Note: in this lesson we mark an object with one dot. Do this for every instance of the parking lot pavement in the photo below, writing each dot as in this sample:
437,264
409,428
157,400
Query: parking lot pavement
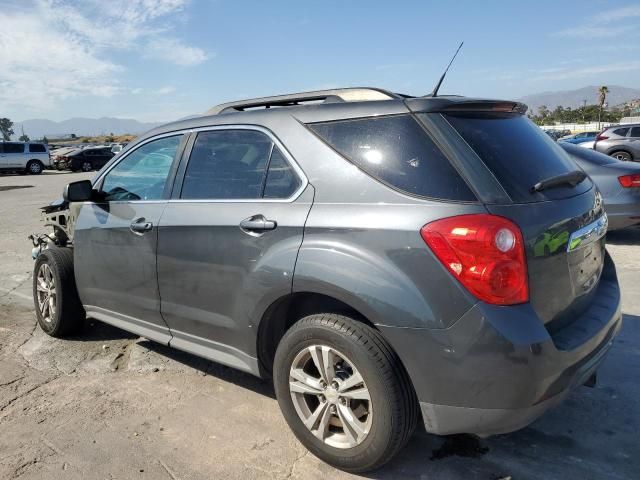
107,404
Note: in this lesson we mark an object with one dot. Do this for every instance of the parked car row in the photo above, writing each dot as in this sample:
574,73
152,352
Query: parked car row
85,160
24,157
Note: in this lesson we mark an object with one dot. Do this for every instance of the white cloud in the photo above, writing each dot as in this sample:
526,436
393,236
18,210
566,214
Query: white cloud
174,51
41,65
52,50
612,23
565,73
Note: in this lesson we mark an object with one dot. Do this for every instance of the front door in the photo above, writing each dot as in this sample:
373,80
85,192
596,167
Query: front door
228,242
115,240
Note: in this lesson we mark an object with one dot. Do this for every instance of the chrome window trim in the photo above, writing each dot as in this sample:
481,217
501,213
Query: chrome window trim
288,157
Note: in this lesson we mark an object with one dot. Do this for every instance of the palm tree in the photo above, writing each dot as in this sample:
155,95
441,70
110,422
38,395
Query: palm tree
602,96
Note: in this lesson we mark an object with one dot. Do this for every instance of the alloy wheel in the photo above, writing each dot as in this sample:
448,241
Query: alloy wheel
46,292
330,396
34,167
87,167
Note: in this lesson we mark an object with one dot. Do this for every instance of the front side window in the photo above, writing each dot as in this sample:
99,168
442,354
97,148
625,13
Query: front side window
37,148
142,175
233,164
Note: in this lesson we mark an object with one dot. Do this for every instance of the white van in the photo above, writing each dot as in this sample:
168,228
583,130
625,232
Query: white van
29,157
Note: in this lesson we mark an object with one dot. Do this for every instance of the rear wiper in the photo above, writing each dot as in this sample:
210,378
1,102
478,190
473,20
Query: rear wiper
570,178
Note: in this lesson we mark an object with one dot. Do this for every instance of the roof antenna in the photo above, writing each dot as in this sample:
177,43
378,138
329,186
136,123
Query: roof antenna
435,90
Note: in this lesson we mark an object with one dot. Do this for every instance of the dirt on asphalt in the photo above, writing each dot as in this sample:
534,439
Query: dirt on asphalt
110,405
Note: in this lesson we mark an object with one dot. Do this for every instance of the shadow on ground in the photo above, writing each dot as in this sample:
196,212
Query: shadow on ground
626,236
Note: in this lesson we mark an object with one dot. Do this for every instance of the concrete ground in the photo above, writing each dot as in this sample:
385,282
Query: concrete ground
110,405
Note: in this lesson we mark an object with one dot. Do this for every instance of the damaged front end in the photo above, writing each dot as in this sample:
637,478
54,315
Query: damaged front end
59,216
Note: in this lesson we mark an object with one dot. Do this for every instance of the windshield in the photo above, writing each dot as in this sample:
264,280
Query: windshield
518,153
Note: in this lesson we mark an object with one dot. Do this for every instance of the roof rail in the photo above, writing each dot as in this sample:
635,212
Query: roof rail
333,95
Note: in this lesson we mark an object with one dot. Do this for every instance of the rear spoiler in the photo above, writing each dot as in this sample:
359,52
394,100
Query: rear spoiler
462,105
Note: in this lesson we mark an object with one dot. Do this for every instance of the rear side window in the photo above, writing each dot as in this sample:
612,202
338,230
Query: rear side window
227,165
635,132
14,148
37,148
282,181
621,131
396,151
518,153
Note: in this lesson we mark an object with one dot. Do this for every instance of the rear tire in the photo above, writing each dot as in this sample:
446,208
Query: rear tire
86,166
362,409
58,307
34,167
622,156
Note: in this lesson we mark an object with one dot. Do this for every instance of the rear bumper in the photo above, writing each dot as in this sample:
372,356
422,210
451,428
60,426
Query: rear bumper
497,369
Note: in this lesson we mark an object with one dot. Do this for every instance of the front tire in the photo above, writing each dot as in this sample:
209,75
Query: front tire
87,166
58,307
344,392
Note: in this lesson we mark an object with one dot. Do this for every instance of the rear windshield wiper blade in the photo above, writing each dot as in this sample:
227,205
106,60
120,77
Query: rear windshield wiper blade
571,178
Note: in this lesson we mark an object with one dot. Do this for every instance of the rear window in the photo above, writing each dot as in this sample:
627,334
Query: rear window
396,151
37,148
518,153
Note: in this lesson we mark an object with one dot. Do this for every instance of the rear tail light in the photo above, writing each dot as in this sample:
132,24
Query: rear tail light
629,181
485,253
601,137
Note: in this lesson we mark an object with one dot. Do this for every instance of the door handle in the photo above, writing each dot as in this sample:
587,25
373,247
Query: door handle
140,226
257,223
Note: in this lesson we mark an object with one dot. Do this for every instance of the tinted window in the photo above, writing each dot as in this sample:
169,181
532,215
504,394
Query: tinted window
227,164
398,152
143,173
37,148
621,131
282,181
635,132
518,153
14,148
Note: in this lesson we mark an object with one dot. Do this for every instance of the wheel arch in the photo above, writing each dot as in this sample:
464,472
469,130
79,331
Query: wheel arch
286,311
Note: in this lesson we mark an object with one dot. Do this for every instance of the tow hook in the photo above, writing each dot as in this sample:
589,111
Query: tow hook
591,381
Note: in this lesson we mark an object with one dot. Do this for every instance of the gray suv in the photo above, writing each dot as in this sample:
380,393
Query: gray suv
382,258
621,142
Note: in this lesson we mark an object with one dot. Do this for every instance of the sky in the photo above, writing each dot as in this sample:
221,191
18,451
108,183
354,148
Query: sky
160,60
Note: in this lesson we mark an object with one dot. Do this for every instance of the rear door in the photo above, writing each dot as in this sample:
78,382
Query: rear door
115,239
228,241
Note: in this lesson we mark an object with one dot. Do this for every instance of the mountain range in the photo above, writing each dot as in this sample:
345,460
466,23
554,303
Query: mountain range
575,98
38,128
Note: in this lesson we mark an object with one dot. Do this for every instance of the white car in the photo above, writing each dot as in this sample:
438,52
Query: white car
24,157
